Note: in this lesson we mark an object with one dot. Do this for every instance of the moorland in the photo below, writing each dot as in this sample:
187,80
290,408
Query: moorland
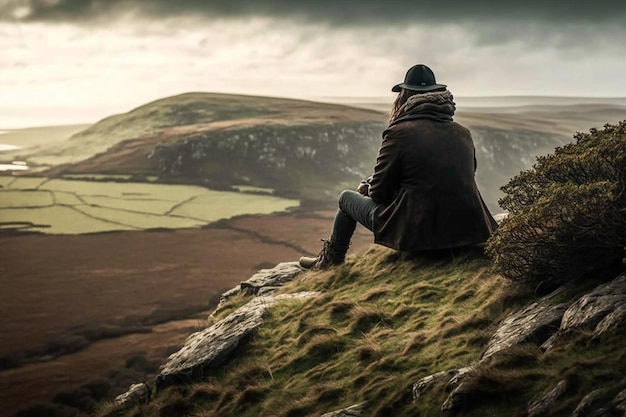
118,241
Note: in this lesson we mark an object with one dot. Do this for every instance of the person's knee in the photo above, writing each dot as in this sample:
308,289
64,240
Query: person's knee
344,198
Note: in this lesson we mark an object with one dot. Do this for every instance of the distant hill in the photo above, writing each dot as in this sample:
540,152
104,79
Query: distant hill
295,147
298,148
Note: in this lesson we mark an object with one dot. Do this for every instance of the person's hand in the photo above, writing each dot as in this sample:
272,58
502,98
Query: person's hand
364,188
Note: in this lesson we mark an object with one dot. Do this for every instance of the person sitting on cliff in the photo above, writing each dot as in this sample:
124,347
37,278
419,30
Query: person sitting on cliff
422,195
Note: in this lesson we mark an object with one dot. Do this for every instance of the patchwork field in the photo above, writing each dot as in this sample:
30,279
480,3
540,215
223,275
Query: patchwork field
60,206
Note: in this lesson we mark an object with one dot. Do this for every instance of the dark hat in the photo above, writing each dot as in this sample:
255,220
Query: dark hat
419,78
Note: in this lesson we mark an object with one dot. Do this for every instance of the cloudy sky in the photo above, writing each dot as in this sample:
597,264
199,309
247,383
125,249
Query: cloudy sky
64,61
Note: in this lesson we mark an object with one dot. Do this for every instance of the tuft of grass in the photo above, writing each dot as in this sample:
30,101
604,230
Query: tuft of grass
365,319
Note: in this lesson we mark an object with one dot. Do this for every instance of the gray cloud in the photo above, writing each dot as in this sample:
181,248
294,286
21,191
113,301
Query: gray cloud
336,12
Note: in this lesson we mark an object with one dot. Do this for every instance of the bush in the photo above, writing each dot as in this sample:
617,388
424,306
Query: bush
567,214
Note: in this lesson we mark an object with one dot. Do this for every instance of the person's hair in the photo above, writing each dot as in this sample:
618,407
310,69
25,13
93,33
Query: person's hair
399,102
401,99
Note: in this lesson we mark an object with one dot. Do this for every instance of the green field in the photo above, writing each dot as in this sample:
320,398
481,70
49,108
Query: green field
61,206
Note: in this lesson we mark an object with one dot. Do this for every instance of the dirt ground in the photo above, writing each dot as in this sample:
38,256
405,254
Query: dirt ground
52,284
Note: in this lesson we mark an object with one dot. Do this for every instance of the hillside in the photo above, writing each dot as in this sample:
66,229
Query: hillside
300,149
404,336
224,140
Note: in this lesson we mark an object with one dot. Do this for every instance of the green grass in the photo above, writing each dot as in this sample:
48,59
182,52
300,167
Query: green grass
25,198
57,220
21,183
74,207
215,205
383,322
375,331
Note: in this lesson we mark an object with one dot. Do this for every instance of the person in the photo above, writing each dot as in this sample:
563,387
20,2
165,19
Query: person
422,195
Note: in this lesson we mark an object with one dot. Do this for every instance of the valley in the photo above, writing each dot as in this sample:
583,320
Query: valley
118,239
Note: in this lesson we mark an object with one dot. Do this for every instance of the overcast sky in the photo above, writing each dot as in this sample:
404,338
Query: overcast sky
67,61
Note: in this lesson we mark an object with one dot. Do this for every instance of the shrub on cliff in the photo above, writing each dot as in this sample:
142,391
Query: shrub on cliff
567,213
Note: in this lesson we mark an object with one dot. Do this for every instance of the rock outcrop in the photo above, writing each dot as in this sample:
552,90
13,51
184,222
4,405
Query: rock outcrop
535,323
137,394
602,310
590,309
265,281
539,405
211,347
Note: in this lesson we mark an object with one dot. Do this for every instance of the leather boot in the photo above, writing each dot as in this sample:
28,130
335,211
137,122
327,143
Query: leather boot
327,257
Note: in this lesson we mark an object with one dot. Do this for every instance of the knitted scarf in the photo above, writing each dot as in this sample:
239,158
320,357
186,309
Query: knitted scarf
436,105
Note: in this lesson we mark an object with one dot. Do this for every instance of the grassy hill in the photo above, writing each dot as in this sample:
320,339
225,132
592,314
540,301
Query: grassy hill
383,322
174,118
227,140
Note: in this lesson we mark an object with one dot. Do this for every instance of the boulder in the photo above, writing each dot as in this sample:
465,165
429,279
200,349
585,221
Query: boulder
264,282
535,323
271,278
614,322
591,308
137,394
595,404
212,346
539,405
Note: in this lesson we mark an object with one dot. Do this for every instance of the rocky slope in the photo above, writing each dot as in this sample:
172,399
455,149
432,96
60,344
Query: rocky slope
356,349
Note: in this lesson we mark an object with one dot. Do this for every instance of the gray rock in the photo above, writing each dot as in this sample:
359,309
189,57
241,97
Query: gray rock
612,323
273,277
547,345
212,346
535,323
602,310
454,378
459,393
263,282
137,394
539,405
591,308
357,410
594,404
620,401
426,383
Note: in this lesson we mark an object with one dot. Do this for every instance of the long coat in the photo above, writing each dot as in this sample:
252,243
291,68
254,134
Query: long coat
424,184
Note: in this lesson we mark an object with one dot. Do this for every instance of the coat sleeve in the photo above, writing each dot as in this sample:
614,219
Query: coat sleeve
387,172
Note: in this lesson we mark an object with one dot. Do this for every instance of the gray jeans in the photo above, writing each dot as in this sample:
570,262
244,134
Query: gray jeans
353,208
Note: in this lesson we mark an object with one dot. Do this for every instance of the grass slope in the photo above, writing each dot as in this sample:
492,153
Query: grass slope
383,322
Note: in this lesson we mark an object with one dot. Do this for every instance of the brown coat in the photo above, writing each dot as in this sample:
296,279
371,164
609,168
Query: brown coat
424,183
